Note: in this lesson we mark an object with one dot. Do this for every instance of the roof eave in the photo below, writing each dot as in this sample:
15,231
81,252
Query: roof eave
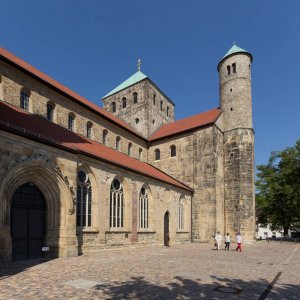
232,54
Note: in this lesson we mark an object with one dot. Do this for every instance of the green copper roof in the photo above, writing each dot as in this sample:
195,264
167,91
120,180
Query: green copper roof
234,49
138,76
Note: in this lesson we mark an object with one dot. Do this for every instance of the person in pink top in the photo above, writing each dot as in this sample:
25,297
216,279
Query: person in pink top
239,242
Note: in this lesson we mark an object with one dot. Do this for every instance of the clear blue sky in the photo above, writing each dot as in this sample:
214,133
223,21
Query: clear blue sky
92,46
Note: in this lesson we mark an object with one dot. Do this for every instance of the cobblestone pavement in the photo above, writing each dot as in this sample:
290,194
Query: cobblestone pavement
190,271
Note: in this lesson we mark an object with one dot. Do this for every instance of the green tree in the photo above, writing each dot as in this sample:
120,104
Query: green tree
278,190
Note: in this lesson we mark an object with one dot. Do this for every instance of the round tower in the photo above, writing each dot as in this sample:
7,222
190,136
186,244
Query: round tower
235,88
238,142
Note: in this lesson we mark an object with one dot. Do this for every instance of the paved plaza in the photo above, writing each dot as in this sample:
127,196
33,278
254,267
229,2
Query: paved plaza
190,271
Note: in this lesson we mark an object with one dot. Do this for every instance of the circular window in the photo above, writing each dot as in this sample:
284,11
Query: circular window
82,176
116,184
137,120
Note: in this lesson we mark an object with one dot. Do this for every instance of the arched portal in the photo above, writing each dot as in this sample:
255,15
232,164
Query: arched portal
28,210
166,229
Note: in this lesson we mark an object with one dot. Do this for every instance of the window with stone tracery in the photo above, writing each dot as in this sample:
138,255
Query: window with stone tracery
116,205
84,200
143,208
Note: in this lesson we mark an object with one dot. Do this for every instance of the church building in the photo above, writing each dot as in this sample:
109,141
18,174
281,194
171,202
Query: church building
76,178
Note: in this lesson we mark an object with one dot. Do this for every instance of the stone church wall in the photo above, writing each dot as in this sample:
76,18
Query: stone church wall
199,164
54,171
13,81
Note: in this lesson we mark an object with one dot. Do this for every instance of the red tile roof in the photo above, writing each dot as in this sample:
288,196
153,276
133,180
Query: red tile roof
18,121
61,88
187,124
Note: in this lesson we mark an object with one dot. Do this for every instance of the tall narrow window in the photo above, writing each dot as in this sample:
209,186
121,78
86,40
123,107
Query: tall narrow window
161,105
228,70
180,216
113,107
173,150
168,111
104,137
116,205
140,154
129,148
233,68
71,120
143,208
157,154
50,111
84,200
154,99
118,143
24,100
135,97
89,127
124,103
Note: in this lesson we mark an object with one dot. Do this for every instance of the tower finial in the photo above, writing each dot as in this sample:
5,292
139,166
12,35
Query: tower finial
139,64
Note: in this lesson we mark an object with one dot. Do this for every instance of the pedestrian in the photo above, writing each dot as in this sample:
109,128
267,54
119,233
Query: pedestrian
239,242
227,241
167,240
218,239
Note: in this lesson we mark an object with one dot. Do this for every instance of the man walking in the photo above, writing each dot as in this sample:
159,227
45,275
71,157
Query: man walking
239,242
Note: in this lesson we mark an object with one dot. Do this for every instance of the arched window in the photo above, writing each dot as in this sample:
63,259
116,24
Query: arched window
84,200
50,111
173,150
135,97
129,148
161,105
157,154
89,126
104,137
154,99
180,216
24,100
140,154
124,104
118,143
116,204
71,121
228,70
168,110
143,208
233,68
113,107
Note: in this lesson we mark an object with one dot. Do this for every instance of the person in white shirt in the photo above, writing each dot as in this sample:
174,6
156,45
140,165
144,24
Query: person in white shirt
239,242
218,239
227,241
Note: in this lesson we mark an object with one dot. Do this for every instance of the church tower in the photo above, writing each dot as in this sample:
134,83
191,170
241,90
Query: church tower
236,104
140,103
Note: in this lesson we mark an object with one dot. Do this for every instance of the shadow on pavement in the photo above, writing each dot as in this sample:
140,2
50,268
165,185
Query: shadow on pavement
182,288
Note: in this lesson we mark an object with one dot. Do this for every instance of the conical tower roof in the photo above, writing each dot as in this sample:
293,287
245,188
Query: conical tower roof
234,50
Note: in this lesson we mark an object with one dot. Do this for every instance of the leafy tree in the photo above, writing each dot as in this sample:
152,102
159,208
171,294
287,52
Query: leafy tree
278,190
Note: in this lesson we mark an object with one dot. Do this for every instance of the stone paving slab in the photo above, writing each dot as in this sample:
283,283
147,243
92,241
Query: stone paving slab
189,271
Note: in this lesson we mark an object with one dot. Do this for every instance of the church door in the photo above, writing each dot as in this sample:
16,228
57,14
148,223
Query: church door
166,229
27,222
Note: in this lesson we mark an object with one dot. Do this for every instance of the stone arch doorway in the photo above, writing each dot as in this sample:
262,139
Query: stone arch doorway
166,229
28,211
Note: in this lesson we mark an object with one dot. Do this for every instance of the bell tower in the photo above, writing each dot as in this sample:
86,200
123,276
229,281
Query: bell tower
236,104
